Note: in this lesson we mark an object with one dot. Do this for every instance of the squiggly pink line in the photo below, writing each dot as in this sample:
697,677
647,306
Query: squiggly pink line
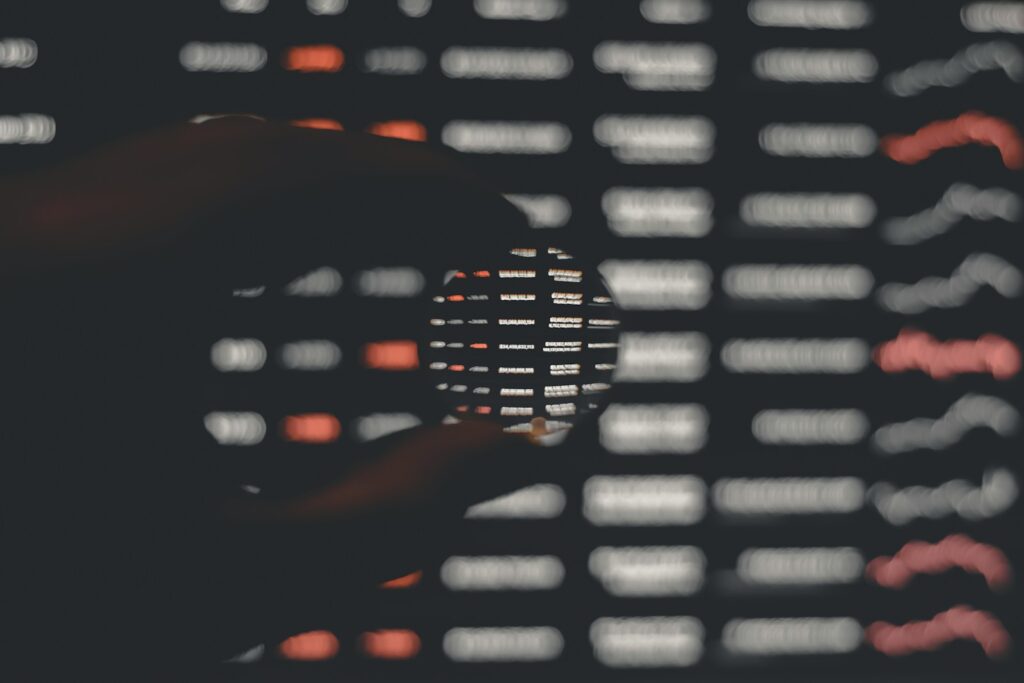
916,350
970,127
957,550
957,623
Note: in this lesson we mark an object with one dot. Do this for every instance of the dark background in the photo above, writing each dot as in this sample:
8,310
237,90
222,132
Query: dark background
105,70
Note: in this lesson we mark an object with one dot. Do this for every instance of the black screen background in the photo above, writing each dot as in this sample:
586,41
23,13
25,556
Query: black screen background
111,70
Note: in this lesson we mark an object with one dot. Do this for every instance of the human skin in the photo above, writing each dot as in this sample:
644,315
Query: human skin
117,533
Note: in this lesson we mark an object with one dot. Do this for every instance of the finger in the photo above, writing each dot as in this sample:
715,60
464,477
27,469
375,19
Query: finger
414,471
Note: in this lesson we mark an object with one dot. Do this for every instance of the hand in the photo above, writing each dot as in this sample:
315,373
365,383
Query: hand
118,535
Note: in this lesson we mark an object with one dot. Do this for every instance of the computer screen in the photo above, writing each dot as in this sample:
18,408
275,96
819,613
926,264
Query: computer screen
807,213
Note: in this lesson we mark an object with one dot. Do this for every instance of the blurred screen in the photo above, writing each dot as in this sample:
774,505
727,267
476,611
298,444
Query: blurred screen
808,213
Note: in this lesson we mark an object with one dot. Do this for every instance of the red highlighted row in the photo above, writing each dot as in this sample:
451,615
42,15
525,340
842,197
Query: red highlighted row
476,273
957,623
314,58
319,646
479,410
401,129
392,354
311,428
970,128
956,550
407,581
916,350
318,124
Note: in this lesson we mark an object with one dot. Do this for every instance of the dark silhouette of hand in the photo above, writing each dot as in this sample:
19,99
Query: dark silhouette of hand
123,547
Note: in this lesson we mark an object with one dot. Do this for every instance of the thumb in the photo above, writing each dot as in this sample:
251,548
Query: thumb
445,465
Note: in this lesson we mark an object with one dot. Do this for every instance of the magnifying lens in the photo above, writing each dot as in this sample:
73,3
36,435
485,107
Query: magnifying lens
528,339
